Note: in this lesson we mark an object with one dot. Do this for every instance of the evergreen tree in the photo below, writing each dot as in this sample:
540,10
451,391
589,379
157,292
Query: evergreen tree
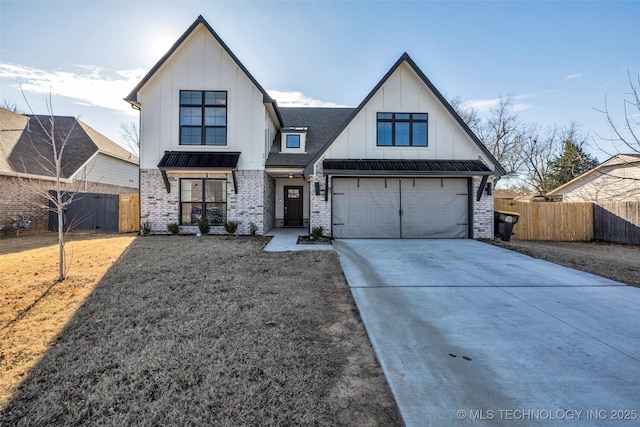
573,161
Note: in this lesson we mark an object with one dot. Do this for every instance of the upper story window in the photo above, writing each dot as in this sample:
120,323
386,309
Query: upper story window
293,141
203,117
402,129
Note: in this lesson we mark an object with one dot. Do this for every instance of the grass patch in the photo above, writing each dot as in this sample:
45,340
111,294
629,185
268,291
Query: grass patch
210,331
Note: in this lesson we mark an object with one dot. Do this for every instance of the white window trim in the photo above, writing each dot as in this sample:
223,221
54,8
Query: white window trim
303,140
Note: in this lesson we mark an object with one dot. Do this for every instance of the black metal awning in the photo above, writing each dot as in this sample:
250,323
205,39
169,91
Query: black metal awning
198,161
405,167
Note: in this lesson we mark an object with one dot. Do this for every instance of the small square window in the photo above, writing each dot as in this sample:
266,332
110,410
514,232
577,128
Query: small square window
293,141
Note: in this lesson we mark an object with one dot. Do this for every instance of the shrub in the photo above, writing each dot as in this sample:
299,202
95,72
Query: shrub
203,225
316,232
173,228
253,228
230,226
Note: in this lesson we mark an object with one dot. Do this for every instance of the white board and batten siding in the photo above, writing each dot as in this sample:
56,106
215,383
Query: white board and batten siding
201,63
404,92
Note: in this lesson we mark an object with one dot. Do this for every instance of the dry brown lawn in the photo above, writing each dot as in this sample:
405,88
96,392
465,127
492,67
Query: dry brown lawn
610,260
35,307
176,330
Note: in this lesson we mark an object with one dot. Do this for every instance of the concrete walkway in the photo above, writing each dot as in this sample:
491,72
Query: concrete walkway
285,240
472,334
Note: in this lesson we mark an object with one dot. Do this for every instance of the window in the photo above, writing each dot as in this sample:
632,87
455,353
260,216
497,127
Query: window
203,195
402,130
203,117
293,141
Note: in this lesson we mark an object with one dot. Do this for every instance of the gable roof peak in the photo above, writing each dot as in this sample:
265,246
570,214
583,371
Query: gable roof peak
406,58
132,98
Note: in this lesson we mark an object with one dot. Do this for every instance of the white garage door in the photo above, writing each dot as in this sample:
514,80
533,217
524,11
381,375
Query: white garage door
394,208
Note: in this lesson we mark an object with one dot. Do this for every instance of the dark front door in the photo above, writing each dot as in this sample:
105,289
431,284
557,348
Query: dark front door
293,206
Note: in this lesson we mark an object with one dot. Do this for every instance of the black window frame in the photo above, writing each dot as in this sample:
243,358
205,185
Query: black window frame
203,109
219,218
394,119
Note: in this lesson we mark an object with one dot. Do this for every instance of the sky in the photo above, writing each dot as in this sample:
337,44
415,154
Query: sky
561,61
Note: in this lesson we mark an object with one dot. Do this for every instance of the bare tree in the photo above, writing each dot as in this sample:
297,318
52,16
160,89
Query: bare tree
627,134
11,106
540,146
50,158
625,140
501,131
131,134
468,114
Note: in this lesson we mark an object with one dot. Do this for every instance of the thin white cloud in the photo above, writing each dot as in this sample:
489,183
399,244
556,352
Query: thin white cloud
573,76
87,84
298,99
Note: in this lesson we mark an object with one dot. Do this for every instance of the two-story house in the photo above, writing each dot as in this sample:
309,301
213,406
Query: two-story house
402,164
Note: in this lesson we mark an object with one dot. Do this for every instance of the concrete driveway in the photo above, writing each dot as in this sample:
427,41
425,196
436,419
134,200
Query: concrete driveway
472,334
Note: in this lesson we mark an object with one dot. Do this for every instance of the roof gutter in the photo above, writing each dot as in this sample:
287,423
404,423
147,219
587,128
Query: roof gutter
34,177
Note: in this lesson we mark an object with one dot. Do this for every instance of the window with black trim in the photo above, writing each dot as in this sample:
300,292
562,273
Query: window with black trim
402,130
198,196
203,117
293,141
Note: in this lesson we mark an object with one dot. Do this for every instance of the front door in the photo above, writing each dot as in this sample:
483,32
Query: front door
293,206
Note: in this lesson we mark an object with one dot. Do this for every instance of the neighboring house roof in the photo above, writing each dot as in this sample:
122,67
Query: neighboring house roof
11,127
133,96
406,58
506,193
601,169
26,147
321,122
530,198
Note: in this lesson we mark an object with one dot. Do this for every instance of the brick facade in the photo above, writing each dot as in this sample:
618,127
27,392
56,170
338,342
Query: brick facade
482,213
269,203
254,202
319,208
18,197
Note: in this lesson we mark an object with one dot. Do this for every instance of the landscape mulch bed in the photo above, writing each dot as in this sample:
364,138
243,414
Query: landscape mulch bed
210,331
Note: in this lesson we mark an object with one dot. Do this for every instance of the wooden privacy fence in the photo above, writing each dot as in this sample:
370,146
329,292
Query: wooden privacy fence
617,222
550,221
101,212
129,213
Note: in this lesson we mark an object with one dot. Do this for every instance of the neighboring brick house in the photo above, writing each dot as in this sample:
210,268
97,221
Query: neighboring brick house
402,164
91,163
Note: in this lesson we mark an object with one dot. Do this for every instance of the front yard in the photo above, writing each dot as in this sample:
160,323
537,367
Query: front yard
187,331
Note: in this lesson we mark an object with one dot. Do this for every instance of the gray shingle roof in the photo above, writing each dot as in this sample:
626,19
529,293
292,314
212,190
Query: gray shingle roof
322,123
26,147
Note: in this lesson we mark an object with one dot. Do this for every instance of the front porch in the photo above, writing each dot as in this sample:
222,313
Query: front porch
286,239
291,199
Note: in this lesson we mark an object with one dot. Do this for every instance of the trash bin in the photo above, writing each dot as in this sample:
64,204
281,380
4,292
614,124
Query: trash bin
503,222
